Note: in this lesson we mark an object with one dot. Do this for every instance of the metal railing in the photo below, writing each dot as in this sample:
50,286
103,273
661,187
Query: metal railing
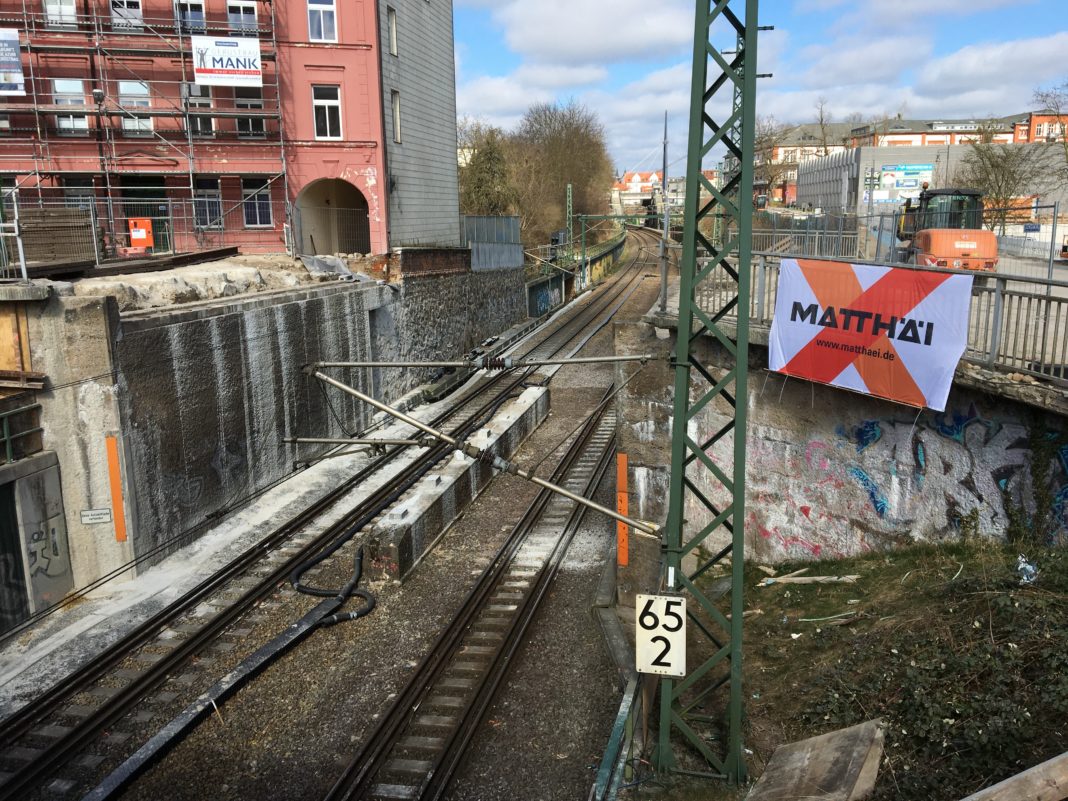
1017,322
11,435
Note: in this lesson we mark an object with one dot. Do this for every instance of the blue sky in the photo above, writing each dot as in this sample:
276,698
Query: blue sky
629,60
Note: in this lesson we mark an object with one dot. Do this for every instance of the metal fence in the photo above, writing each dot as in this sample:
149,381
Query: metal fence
1017,322
89,230
328,230
828,235
495,242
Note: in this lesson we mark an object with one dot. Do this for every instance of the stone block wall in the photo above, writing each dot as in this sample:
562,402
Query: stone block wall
443,318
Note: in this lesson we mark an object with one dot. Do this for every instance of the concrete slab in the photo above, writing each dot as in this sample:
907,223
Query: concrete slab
839,766
22,292
406,532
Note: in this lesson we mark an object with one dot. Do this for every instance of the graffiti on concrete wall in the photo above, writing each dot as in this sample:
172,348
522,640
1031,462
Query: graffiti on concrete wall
871,483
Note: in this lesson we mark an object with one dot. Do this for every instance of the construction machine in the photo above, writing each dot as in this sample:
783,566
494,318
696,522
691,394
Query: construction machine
945,229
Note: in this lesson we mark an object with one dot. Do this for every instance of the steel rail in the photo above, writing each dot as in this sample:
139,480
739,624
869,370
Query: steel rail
21,722
456,748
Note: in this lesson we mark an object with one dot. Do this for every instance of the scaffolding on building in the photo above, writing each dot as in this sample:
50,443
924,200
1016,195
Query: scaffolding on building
141,106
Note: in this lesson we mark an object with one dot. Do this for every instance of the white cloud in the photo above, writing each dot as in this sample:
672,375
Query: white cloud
1004,65
568,47
580,31
860,61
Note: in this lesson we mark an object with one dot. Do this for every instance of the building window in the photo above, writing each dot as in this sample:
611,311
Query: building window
60,13
191,16
394,97
242,17
322,21
326,103
67,92
256,201
251,98
197,99
134,95
126,14
207,204
391,23
78,192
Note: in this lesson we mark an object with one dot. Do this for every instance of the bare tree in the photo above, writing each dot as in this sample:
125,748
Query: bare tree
1055,100
768,166
1004,174
556,145
823,119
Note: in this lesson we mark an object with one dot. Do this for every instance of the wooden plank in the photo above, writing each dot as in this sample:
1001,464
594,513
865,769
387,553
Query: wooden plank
1045,782
839,766
10,351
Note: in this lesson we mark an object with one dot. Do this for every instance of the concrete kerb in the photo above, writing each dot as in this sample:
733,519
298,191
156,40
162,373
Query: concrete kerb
405,533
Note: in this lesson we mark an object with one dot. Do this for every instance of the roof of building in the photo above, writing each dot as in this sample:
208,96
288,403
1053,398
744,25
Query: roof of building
901,126
631,177
810,134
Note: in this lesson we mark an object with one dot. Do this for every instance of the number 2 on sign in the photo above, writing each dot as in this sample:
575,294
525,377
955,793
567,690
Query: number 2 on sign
660,636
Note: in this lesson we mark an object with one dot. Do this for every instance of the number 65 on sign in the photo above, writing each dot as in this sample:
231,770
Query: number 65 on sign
660,636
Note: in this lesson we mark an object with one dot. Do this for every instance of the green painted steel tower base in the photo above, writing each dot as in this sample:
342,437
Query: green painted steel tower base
706,509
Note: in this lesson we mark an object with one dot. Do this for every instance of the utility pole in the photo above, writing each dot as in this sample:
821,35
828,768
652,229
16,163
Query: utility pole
667,225
570,224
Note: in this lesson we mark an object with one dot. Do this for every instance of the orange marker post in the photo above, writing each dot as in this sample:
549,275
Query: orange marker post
115,478
622,505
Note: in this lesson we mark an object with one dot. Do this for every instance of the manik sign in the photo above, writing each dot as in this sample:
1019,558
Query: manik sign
226,62
895,333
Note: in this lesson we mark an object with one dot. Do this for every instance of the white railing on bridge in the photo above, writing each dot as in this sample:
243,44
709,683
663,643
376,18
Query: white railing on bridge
1017,322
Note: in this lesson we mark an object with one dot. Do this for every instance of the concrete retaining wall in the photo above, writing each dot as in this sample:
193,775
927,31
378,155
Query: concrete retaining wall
200,396
832,473
71,342
209,393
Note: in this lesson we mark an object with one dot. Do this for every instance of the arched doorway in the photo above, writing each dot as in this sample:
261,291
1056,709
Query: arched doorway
332,216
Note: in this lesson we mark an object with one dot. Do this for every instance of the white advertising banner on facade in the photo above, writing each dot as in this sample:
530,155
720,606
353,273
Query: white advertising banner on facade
226,62
892,332
12,81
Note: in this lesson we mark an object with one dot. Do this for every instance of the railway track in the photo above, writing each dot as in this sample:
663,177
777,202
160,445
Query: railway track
57,742
419,742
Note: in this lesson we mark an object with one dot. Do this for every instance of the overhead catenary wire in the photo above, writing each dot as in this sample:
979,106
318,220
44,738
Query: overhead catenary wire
483,454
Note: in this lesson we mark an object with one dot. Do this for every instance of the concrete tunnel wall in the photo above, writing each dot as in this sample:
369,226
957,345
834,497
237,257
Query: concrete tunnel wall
209,394
831,473
201,395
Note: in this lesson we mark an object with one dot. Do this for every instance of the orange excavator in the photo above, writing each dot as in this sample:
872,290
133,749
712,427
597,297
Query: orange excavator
945,229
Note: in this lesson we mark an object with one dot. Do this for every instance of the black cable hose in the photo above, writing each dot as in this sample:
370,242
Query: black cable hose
322,556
